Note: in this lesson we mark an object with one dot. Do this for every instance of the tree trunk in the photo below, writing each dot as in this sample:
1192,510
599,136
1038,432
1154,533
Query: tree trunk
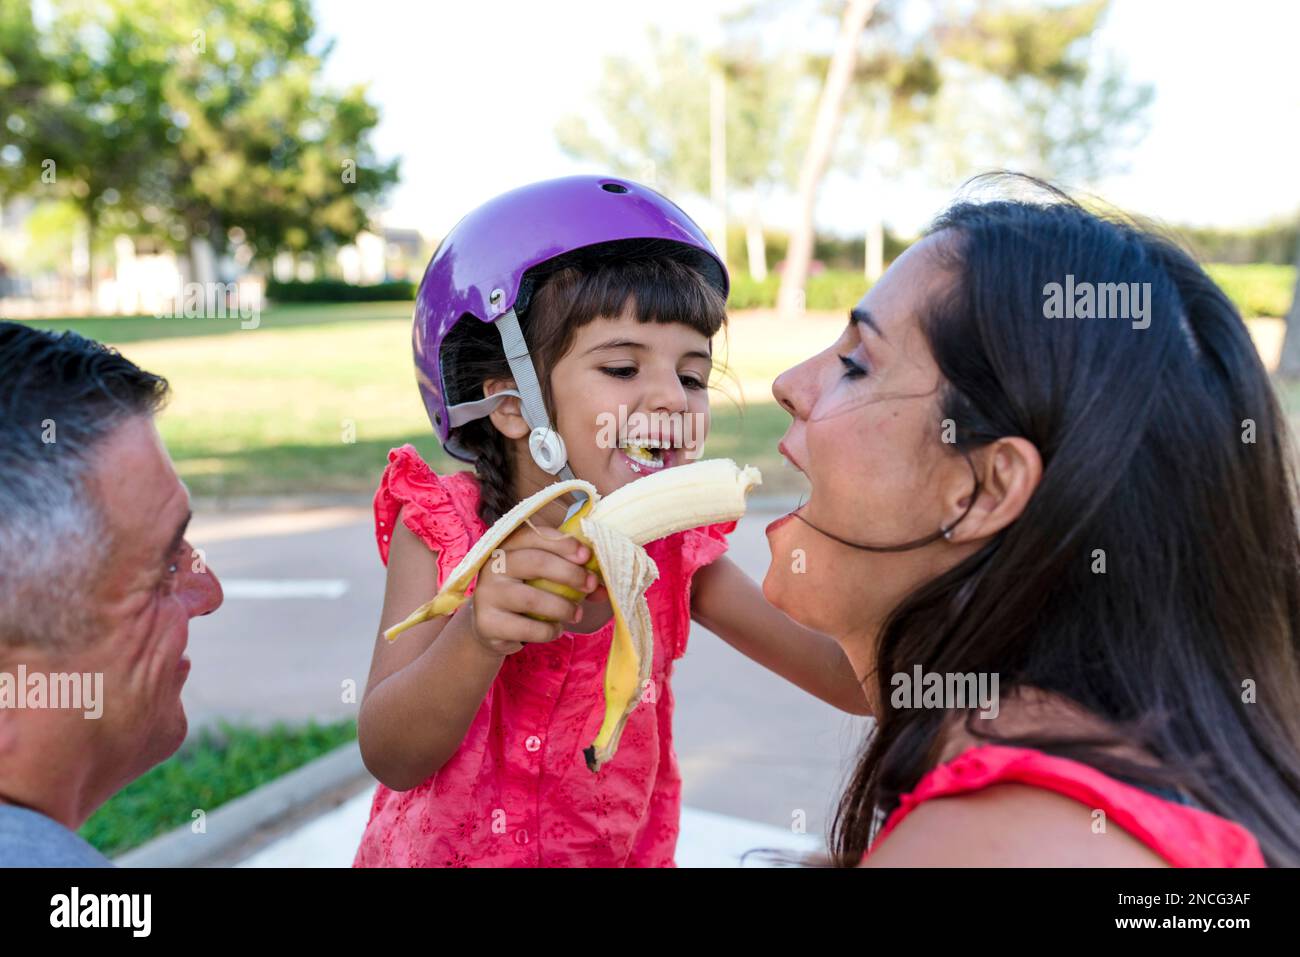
874,254
830,108
202,260
1288,364
718,158
92,227
756,245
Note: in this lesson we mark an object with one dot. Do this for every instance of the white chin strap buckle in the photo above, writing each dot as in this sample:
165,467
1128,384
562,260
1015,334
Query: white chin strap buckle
547,449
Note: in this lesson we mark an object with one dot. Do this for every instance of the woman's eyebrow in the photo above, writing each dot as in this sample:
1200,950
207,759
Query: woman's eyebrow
860,315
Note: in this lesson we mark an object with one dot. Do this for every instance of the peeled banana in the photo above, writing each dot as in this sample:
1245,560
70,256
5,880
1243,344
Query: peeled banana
615,527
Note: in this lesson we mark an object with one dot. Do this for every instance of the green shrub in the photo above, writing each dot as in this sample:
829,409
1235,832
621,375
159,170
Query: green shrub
833,289
209,770
748,293
1258,289
335,290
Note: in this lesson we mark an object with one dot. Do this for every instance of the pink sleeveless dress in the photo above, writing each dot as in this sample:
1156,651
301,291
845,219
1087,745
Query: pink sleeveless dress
517,792
1184,836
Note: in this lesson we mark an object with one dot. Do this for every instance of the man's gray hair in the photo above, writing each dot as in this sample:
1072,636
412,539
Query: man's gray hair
60,396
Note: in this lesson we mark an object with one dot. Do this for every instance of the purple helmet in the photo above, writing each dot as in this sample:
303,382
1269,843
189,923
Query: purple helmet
478,273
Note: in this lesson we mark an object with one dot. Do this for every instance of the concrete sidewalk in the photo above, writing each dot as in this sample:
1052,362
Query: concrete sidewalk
707,840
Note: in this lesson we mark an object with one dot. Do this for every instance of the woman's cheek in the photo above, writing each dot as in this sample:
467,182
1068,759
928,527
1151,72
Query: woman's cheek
798,574
776,583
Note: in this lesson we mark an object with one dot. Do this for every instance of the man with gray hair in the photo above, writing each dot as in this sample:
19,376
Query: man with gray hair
97,588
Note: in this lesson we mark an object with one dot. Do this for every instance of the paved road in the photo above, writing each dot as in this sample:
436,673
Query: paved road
750,745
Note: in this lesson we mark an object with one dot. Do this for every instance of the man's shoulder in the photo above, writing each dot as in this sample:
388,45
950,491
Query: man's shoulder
30,839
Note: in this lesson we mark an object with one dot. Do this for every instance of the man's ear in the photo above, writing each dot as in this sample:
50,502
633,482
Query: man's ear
1009,470
507,416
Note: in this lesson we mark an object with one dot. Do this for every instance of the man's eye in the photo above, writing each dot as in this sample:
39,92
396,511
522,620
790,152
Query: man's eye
851,369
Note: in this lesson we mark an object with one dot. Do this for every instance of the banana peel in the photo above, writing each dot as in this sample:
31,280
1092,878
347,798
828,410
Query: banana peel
616,528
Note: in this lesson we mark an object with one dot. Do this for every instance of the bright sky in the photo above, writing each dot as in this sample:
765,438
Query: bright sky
471,94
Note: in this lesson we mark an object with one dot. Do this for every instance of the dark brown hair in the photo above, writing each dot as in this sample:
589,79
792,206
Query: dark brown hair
1164,448
650,281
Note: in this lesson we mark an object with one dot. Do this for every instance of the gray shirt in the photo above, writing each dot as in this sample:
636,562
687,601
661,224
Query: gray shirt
30,839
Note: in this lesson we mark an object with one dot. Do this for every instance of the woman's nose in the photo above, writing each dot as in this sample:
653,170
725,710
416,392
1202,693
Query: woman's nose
795,389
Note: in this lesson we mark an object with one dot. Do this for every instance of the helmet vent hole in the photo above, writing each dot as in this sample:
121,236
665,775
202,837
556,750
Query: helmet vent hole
613,187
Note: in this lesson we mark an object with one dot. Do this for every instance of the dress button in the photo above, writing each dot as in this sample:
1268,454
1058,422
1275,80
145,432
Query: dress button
533,742
385,538
521,836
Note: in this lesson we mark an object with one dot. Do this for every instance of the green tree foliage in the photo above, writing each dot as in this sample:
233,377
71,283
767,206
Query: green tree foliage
654,115
944,93
188,118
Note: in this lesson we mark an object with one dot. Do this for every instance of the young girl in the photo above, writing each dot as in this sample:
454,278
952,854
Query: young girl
544,315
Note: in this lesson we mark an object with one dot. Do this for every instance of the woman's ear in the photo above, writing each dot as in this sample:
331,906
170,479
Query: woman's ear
507,416
1009,470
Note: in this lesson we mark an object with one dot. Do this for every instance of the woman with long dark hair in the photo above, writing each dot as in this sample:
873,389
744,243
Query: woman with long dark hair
1045,459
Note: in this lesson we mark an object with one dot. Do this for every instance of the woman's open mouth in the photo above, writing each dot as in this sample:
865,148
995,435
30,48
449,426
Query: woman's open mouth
777,523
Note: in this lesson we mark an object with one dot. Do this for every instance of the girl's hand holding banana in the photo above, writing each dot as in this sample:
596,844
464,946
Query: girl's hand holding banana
507,611
607,534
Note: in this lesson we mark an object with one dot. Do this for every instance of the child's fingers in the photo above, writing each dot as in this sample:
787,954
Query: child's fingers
530,563
526,600
546,539
508,627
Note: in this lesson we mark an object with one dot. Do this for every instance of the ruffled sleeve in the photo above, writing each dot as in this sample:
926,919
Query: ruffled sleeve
440,511
1182,835
700,546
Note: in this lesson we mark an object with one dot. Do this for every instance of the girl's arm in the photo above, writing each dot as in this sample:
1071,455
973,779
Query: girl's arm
731,605
425,687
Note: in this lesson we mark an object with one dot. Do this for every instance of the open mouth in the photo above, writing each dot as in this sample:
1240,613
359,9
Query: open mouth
773,526
649,456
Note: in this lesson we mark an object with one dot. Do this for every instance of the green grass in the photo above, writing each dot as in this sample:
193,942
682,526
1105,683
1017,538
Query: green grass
1258,289
211,769
122,330
312,400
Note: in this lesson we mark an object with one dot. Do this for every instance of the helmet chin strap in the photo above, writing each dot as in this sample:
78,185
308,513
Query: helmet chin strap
544,443
906,546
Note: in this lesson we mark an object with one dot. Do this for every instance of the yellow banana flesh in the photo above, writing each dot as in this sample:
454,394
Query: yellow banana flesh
616,528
